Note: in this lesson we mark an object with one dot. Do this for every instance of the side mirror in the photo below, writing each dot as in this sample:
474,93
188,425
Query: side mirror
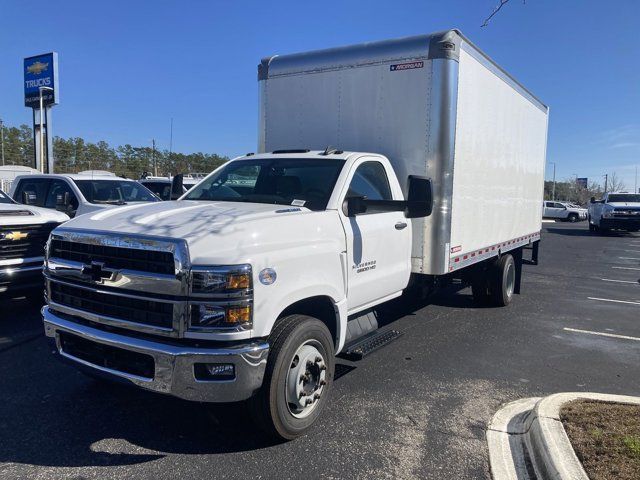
593,200
419,198
177,189
62,201
354,206
28,198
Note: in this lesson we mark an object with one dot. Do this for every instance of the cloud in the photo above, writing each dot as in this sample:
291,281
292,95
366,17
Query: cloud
624,136
625,145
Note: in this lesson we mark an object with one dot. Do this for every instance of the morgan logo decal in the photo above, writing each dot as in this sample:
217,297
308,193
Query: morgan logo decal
405,66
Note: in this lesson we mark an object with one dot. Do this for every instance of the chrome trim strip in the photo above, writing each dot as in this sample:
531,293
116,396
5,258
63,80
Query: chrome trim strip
111,321
18,269
130,279
20,261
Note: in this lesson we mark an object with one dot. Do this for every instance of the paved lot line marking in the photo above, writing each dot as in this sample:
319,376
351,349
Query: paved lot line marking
615,301
619,281
602,334
626,268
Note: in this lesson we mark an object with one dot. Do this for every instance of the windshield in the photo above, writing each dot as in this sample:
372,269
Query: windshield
4,198
624,197
282,181
114,192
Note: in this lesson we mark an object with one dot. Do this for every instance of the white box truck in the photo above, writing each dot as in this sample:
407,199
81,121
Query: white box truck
248,286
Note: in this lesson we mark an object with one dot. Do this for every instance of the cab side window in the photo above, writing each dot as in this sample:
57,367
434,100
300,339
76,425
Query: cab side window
370,181
32,191
56,195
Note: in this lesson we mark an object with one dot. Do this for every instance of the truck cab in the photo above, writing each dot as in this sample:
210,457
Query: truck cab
77,194
615,211
23,234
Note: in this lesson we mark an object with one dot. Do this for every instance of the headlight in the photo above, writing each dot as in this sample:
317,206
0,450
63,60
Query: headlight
221,298
235,279
209,317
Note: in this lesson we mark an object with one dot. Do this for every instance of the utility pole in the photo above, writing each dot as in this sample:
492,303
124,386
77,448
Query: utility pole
2,143
171,140
153,157
635,188
606,180
553,193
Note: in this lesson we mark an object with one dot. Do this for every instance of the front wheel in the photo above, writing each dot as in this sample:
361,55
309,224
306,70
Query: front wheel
298,377
573,217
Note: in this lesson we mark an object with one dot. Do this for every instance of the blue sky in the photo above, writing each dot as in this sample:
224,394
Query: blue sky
127,67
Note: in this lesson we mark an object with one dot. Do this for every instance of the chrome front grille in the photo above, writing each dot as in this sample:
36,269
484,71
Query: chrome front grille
137,310
127,281
24,241
149,261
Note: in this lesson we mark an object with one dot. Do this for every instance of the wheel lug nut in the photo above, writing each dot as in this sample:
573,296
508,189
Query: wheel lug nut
304,378
318,359
309,401
323,367
323,383
309,363
316,396
302,394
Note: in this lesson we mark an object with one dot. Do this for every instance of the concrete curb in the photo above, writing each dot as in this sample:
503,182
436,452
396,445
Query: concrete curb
527,440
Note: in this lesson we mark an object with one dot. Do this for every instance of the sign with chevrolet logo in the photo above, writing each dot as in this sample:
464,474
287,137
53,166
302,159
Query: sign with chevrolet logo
41,71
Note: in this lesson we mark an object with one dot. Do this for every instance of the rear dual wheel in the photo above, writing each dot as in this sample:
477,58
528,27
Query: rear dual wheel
495,285
298,377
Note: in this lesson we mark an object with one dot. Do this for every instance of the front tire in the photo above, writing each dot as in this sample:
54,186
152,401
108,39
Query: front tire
573,217
298,377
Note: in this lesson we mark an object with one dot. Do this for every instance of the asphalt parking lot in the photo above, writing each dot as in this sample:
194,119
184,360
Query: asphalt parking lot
417,408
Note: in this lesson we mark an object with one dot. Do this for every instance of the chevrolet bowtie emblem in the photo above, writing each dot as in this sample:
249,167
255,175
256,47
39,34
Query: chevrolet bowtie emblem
16,236
97,272
37,68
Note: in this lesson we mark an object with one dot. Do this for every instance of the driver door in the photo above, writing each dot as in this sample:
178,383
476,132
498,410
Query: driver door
378,243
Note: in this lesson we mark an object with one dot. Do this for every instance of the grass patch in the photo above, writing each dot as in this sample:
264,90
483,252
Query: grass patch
605,437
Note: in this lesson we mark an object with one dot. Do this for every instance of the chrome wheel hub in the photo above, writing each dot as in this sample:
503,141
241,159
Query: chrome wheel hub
306,379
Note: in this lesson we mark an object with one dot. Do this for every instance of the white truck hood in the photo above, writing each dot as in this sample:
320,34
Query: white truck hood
213,230
16,214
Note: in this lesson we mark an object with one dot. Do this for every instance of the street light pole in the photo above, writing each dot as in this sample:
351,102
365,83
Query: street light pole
42,89
2,142
553,193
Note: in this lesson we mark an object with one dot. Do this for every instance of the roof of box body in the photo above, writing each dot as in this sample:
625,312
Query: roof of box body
445,44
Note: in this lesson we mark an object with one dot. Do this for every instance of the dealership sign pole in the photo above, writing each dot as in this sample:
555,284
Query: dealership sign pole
41,92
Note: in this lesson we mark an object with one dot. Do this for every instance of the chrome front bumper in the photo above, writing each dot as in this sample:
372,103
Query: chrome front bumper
19,275
173,364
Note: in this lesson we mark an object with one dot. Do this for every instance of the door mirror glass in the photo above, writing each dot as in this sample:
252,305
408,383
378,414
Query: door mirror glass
419,198
62,201
29,198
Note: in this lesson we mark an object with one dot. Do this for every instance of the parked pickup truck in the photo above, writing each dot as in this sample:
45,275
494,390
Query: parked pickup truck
615,211
23,234
77,194
564,211
248,286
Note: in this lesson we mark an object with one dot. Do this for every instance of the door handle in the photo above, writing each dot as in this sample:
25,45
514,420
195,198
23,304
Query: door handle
401,225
